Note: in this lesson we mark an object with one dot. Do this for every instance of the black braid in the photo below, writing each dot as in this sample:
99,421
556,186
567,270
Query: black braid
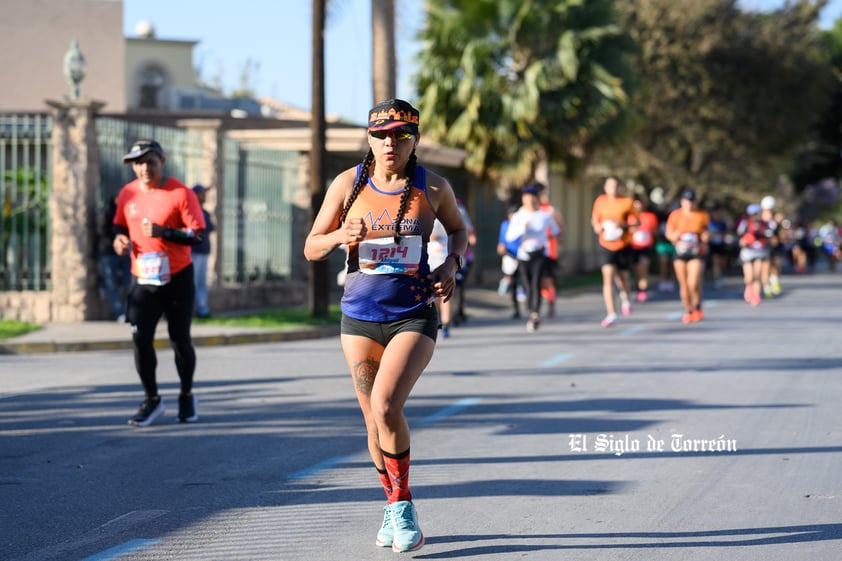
410,175
362,179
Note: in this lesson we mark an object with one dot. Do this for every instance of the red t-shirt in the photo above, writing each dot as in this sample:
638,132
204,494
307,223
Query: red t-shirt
171,206
552,239
644,234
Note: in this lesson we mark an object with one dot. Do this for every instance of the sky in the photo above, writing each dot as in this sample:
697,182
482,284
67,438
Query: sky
272,37
276,35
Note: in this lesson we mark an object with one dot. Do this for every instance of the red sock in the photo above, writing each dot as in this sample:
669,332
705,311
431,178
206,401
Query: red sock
384,480
548,293
397,465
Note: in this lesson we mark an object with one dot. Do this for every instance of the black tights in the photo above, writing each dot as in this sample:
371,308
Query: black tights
146,305
530,279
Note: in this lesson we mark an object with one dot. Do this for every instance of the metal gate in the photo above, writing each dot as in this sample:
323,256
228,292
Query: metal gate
25,185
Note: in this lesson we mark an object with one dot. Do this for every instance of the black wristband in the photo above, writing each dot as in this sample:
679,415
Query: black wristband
458,258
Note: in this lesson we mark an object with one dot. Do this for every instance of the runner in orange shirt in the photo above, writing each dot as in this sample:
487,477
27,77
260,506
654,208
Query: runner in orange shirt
687,229
610,221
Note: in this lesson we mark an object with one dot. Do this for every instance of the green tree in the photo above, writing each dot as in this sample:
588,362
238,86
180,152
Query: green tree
23,230
820,158
514,82
249,69
726,96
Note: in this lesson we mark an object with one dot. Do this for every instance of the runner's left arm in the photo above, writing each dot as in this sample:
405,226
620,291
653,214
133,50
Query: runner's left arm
182,236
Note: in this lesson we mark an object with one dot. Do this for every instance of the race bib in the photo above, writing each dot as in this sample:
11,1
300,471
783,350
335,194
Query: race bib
690,239
687,245
383,256
611,231
642,237
153,268
531,245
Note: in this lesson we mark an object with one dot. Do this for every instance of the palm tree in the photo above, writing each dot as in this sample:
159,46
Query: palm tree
318,287
516,82
383,60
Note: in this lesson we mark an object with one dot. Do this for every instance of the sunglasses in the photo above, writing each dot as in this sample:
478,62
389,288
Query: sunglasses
397,135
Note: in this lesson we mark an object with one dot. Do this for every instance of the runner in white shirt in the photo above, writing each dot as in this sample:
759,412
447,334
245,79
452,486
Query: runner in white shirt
532,226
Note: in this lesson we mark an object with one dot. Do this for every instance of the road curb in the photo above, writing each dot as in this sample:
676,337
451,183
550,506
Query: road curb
161,342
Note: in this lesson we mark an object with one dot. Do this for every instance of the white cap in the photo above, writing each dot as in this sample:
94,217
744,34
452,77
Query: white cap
767,202
657,196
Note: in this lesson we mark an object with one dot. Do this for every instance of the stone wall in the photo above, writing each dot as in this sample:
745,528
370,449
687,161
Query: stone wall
72,210
26,305
256,297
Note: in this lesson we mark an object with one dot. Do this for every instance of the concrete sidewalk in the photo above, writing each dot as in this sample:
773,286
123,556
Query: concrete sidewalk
109,335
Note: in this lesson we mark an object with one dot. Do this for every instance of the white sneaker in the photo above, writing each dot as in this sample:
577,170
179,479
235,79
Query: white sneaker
149,410
609,320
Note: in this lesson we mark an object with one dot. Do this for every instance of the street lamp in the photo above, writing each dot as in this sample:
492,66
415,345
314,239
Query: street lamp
74,67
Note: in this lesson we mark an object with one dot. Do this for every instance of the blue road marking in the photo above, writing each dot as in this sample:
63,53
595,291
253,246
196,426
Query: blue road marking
321,466
336,460
449,411
557,359
632,330
120,550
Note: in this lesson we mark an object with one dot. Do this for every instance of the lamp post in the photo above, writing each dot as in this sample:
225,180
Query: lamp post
74,68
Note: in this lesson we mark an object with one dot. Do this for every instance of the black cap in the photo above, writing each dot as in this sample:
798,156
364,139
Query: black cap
142,147
393,114
688,194
198,188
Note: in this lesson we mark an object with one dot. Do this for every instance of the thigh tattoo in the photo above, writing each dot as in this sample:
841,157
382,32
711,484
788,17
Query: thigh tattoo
364,373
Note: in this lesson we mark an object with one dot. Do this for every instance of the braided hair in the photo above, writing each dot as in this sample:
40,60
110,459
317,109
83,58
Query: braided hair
410,175
362,179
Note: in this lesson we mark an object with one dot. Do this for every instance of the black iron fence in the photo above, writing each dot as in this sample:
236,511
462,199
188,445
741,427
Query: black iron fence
25,184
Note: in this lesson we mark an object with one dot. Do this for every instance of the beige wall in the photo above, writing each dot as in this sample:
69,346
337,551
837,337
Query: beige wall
173,58
35,35
574,200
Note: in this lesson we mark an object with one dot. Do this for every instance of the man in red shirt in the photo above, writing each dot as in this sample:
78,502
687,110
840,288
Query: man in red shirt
548,274
158,219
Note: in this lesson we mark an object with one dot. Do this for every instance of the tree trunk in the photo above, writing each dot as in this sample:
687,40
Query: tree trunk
319,287
383,60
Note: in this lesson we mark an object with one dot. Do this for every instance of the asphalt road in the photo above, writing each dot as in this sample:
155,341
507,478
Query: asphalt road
651,440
